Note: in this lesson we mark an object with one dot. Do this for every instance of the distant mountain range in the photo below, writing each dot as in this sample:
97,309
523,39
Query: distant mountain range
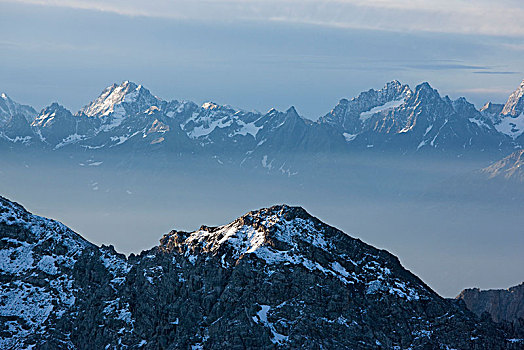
273,278
395,118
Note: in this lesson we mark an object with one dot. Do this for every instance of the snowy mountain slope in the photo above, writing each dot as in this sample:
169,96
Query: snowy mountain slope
36,259
117,102
511,119
14,122
350,115
8,108
56,127
509,168
423,120
273,278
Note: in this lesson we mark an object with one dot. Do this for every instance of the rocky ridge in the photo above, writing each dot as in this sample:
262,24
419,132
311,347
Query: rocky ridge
273,278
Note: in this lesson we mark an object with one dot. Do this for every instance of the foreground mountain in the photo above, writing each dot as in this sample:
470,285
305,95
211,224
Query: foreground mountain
129,118
273,278
501,304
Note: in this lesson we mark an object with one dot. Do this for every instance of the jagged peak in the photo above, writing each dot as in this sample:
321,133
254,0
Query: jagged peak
394,84
54,106
487,106
426,90
424,86
283,235
492,109
117,94
515,104
462,102
47,114
292,110
210,105
248,233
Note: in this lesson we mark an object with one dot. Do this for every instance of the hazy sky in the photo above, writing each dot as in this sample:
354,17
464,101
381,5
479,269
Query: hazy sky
258,54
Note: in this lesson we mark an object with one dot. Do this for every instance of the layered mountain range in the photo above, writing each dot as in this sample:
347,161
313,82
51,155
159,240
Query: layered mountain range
273,278
394,118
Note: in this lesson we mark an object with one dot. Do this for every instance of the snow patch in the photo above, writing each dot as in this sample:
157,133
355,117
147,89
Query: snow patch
382,108
513,127
349,137
261,318
480,123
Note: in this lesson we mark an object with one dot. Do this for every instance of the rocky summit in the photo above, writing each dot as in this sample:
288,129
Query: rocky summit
273,278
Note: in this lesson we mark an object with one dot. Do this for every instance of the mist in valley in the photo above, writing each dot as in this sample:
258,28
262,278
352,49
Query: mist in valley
428,211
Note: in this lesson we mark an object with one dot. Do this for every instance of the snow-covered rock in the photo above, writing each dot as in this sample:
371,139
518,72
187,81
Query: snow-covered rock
273,278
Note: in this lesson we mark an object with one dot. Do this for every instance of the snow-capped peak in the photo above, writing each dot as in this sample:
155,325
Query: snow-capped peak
8,108
284,236
253,231
209,105
114,95
515,104
117,102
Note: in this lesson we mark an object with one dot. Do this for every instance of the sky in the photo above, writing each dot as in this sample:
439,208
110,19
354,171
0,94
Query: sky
258,54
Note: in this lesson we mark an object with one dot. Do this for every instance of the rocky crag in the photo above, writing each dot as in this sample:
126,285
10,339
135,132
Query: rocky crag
502,305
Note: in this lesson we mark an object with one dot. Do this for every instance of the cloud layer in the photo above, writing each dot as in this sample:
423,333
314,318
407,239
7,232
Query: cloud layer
501,18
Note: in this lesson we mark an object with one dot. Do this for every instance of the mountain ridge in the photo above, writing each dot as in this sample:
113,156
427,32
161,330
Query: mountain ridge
274,278
130,118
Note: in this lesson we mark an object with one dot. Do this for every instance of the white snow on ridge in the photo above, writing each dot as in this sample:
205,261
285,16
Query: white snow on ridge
115,117
123,138
208,127
209,105
25,298
23,139
111,97
243,239
513,127
261,317
480,123
382,108
249,128
349,137
69,140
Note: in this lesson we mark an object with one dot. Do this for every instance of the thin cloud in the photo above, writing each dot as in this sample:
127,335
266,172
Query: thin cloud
446,66
502,18
497,72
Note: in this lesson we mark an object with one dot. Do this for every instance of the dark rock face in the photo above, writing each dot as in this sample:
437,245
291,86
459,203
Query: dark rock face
274,278
501,304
